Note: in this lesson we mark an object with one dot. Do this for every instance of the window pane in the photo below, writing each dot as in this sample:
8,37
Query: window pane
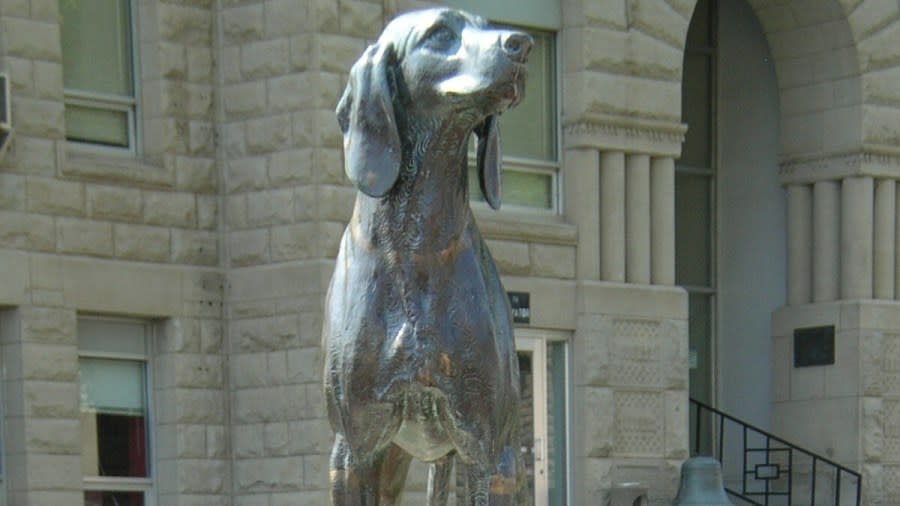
111,336
113,417
96,44
110,498
529,130
519,188
696,111
96,125
556,422
693,229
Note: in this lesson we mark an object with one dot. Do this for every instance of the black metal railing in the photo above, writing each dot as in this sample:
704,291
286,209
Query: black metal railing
762,469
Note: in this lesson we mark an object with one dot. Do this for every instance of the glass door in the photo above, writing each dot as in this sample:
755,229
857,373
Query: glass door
542,418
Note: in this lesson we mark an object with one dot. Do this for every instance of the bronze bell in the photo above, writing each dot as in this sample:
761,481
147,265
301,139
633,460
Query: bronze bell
701,484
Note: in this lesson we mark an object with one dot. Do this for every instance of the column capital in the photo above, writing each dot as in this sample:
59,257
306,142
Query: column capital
872,161
629,135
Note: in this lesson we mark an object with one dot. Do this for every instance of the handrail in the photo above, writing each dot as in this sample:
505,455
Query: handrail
770,472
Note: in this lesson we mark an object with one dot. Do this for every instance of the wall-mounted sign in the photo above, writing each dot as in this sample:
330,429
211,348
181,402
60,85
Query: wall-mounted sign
521,306
814,346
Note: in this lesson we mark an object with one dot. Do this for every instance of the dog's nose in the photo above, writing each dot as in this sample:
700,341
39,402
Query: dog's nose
516,45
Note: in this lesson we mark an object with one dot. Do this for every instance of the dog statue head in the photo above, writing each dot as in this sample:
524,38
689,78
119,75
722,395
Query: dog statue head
436,63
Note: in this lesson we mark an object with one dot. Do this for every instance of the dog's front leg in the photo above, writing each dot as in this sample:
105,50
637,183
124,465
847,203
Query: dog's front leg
353,483
439,481
496,486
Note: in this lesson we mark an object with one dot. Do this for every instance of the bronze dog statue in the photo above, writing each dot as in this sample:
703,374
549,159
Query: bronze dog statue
421,360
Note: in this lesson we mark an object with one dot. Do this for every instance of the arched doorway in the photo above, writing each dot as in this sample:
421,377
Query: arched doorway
730,208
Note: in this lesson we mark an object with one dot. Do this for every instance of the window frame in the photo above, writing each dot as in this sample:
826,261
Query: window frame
147,484
552,168
130,105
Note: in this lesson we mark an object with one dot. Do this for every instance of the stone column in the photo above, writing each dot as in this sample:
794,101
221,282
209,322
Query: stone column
637,222
612,216
662,222
826,201
885,224
799,242
856,237
582,203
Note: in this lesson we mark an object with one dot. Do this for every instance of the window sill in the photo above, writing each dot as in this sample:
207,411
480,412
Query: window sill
88,163
530,227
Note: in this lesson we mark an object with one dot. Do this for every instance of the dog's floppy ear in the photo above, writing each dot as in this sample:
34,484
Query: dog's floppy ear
371,139
489,160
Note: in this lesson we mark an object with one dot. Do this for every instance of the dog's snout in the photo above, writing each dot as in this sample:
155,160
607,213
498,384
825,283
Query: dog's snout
516,45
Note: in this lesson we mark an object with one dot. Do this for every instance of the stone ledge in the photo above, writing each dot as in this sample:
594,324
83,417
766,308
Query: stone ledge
115,168
548,229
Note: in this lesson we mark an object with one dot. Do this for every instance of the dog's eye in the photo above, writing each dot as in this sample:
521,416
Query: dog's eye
440,38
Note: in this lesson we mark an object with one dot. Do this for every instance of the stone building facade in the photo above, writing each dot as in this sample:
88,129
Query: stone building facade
209,238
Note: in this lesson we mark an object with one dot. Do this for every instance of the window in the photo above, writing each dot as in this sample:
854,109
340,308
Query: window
695,205
115,458
529,136
98,72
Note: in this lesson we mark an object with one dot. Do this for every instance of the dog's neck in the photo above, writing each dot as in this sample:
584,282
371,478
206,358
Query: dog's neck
427,211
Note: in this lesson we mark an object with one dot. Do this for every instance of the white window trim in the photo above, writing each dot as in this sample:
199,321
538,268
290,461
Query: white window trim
113,102
127,484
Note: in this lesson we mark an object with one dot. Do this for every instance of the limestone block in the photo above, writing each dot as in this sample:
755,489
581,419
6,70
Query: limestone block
172,60
48,80
249,247
236,211
198,371
42,118
54,472
638,428
304,365
275,438
12,192
273,207
53,196
336,202
208,212
242,23
265,334
636,354
881,125
311,436
196,174
35,40
196,405
361,19
338,52
330,234
292,92
304,497
301,48
231,66
285,167
190,440
611,13
34,155
599,420
315,472
553,261
244,174
248,440
184,24
283,17
51,399
659,20
322,16
871,16
592,354
265,58
327,132
631,53
330,165
53,436
195,247
114,203
49,362
259,405
211,336
244,99
199,101
216,441
878,436
269,474
676,423
27,231
204,476
276,368
511,257
199,64
170,209
269,134
880,49
293,242
82,237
